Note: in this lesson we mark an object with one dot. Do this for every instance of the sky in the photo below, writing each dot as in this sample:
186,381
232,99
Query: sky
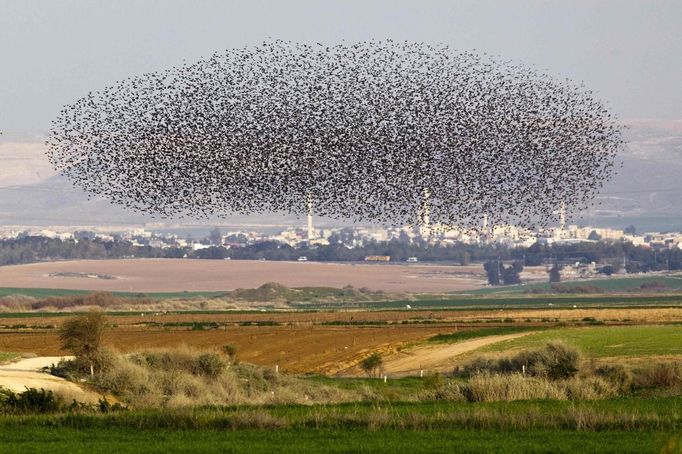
53,52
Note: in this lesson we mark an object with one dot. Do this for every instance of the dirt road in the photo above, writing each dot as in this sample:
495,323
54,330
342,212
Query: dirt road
18,376
438,357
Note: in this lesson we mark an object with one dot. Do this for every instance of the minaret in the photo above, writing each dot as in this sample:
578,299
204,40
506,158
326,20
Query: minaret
425,215
562,217
311,232
485,235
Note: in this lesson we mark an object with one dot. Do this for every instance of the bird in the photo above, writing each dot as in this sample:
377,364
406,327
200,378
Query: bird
364,130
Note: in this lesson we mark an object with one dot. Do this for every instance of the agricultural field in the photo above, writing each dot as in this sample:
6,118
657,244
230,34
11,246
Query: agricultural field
180,275
296,379
611,426
332,342
612,341
670,282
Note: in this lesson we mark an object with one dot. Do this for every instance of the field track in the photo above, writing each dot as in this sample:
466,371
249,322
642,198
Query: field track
429,358
25,373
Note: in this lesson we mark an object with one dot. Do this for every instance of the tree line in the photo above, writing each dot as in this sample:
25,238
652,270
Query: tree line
612,256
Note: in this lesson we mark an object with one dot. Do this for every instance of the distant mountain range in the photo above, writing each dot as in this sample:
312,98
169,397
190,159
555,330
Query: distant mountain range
647,191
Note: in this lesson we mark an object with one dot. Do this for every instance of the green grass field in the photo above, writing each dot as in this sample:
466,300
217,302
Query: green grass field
105,441
615,284
626,425
462,335
604,341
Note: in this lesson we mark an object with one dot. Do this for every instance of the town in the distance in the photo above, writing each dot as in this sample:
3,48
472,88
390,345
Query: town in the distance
568,251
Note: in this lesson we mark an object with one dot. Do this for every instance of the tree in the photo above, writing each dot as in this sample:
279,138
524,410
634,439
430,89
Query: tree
630,230
510,274
372,364
82,335
216,237
594,236
492,269
464,258
555,274
607,270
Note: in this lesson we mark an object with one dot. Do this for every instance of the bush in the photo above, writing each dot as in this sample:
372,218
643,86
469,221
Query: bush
489,388
30,401
209,364
616,374
661,375
433,381
184,377
372,364
230,350
486,387
555,361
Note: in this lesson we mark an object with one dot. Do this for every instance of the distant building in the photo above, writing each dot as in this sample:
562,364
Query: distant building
377,258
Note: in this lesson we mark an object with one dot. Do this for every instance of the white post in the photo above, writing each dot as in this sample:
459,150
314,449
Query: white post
421,373
523,370
385,378
277,368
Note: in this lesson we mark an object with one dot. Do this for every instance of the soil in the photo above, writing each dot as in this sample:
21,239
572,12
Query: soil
176,275
26,373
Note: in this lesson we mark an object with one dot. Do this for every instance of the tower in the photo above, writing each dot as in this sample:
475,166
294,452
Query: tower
562,217
309,203
425,215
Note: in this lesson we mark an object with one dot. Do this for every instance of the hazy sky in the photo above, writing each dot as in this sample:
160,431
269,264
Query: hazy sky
53,52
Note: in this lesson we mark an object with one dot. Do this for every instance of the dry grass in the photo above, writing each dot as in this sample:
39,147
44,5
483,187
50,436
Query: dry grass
510,387
184,377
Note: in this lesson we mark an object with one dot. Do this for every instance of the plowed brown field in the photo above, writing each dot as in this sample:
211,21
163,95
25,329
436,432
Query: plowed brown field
637,315
297,349
175,275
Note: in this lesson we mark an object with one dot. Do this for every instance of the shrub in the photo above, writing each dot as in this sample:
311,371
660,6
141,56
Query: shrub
230,350
662,375
616,374
488,388
372,364
30,401
555,361
433,381
588,388
209,364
